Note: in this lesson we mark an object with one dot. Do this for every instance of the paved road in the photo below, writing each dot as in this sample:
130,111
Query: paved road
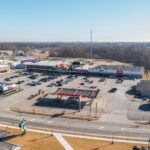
85,127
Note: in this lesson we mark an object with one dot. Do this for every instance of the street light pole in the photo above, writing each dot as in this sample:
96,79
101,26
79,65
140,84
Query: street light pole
91,44
96,111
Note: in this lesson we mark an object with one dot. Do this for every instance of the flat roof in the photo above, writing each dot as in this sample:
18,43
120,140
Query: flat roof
5,84
85,67
123,67
77,92
23,58
3,66
113,67
145,82
47,63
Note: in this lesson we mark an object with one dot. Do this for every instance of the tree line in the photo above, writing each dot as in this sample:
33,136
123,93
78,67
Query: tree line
135,53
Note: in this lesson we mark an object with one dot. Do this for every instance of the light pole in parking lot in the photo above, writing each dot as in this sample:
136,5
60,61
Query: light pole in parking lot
80,103
96,111
91,44
90,108
112,138
149,143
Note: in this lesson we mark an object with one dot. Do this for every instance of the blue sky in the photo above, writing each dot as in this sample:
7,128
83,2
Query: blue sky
71,20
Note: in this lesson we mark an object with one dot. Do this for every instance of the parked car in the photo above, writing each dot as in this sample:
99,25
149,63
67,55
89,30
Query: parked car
33,77
32,83
26,74
102,80
7,79
92,87
91,81
16,76
12,77
61,80
65,82
82,83
51,84
58,84
113,90
38,83
44,79
119,80
20,81
87,80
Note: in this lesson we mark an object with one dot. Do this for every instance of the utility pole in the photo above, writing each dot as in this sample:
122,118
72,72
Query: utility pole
91,44
90,108
96,111
80,103
149,143
112,139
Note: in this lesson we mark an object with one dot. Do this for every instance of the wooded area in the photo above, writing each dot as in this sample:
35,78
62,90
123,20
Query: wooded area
136,53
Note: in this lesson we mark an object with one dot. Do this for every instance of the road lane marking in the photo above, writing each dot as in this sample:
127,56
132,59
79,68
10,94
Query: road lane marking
32,119
77,136
50,121
101,128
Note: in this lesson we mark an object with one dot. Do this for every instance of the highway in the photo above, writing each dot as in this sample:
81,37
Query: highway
86,127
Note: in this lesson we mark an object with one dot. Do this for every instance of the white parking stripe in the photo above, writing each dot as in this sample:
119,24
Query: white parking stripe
101,128
31,119
122,129
50,121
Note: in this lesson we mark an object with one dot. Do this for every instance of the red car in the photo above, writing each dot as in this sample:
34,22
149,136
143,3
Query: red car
91,81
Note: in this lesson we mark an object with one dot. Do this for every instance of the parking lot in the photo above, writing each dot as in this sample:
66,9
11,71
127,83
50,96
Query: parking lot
117,103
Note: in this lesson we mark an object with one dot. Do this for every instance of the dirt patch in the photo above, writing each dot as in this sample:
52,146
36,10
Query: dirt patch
107,62
142,122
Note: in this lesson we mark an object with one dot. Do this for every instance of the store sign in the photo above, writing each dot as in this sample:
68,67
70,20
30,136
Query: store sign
9,87
119,71
101,70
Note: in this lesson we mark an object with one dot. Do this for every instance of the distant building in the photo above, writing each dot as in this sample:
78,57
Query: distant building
6,52
17,65
77,68
143,87
4,62
24,59
59,66
112,70
6,87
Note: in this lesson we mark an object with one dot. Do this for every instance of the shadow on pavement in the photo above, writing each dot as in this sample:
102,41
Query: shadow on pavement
131,91
144,107
3,139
